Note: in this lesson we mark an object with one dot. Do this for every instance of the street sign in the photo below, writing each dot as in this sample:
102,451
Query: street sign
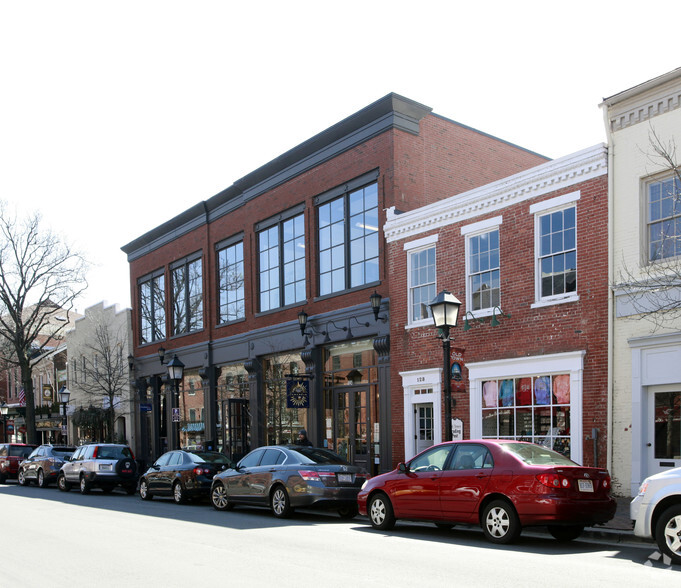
176,415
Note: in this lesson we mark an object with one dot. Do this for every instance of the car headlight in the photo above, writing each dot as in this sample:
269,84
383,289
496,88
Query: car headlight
364,485
642,489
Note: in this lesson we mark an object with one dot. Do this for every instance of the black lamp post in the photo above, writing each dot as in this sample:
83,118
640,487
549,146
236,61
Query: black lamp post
4,409
175,371
445,310
64,395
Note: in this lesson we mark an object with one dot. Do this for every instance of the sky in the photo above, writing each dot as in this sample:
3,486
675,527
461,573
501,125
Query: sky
117,116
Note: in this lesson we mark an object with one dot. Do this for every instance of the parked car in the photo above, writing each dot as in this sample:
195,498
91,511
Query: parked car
43,464
285,477
183,474
11,455
656,512
502,486
103,465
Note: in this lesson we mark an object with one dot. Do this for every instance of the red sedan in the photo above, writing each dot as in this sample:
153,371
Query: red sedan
500,485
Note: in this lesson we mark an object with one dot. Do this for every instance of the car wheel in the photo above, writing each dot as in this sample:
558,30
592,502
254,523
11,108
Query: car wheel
42,483
21,478
179,495
62,484
500,522
348,512
280,503
144,491
3,478
668,533
565,533
85,486
381,512
218,497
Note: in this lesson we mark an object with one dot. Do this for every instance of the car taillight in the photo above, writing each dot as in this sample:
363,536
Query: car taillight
201,471
94,455
606,482
309,475
554,480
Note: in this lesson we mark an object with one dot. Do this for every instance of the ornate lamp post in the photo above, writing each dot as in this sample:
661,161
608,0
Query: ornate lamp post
445,310
4,409
175,372
64,395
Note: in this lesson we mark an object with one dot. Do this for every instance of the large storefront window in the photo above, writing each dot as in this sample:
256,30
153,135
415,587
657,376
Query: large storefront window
192,411
282,421
233,418
533,408
351,403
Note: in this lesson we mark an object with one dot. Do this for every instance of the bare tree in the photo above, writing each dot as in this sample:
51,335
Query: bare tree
105,371
40,278
653,288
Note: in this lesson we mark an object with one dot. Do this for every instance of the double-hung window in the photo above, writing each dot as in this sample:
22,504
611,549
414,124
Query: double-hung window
664,219
348,237
421,274
152,301
187,290
230,260
556,248
281,249
483,285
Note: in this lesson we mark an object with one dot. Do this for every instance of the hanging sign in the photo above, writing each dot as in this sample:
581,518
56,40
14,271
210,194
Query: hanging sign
297,393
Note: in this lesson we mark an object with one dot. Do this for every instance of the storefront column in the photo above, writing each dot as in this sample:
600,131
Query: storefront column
312,358
154,383
382,348
256,402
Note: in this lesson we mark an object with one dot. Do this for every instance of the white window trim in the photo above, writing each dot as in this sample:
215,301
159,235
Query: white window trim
541,209
417,380
414,247
571,363
474,230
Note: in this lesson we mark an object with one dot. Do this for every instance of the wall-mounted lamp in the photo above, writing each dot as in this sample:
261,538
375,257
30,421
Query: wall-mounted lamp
375,300
162,355
131,362
466,324
306,329
493,323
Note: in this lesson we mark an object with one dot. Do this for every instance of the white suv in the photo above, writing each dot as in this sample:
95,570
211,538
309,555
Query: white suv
99,464
656,512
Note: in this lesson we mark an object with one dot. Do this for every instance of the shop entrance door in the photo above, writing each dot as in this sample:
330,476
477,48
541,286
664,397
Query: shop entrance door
664,431
352,432
236,425
424,427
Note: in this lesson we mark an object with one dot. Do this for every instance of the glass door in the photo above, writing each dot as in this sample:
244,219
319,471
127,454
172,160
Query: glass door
236,419
664,435
424,427
352,433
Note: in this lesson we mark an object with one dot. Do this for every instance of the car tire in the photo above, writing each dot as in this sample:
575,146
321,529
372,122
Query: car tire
85,486
3,478
381,513
280,503
41,481
348,512
62,484
564,533
668,533
218,497
500,522
21,478
144,491
179,494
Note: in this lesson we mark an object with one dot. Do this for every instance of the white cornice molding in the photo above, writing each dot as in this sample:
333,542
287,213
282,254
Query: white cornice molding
537,181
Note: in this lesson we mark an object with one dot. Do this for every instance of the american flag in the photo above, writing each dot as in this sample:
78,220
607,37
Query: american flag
22,397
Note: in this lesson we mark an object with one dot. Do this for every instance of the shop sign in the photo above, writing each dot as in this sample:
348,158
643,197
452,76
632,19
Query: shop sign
457,430
145,406
297,394
47,392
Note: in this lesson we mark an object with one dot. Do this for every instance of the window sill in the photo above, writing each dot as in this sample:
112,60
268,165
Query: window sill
557,300
422,323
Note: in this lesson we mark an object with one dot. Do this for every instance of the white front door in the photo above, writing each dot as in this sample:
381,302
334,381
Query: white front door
664,431
424,426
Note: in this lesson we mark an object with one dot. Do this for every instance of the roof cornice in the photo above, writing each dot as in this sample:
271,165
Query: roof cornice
537,181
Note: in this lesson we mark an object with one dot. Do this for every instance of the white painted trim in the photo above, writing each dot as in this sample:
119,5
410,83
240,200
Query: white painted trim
417,243
413,380
482,226
557,202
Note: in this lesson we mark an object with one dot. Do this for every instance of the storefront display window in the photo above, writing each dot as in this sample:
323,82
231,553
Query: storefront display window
533,408
233,415
192,411
283,421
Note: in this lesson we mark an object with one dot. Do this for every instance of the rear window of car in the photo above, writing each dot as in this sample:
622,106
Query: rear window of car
15,451
537,455
113,452
210,457
315,455
63,451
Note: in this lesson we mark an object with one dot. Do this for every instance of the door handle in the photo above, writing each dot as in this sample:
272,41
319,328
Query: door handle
649,444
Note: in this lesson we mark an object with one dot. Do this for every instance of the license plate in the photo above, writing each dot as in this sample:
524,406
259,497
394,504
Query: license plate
105,467
345,478
585,485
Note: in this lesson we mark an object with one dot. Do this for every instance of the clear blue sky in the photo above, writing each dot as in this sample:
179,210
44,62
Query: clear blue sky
116,116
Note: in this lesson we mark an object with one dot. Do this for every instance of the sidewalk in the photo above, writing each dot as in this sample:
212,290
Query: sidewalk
620,528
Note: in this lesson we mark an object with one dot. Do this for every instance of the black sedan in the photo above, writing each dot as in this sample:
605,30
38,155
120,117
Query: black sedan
285,477
182,475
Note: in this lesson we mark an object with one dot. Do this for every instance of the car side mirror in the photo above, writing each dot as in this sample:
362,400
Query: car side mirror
155,467
403,467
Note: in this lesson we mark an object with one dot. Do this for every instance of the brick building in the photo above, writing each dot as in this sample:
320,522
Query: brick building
528,258
224,285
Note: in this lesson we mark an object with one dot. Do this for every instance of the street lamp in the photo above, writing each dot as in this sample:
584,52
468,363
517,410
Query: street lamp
64,395
175,371
445,310
4,409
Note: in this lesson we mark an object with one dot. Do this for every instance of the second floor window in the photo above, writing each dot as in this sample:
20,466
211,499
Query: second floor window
348,240
421,283
483,270
282,263
152,309
231,283
664,219
557,253
187,302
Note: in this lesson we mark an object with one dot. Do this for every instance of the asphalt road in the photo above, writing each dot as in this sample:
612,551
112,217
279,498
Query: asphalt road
51,538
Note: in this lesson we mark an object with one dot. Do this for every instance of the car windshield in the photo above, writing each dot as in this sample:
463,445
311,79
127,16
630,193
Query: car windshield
537,455
210,457
15,451
310,455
